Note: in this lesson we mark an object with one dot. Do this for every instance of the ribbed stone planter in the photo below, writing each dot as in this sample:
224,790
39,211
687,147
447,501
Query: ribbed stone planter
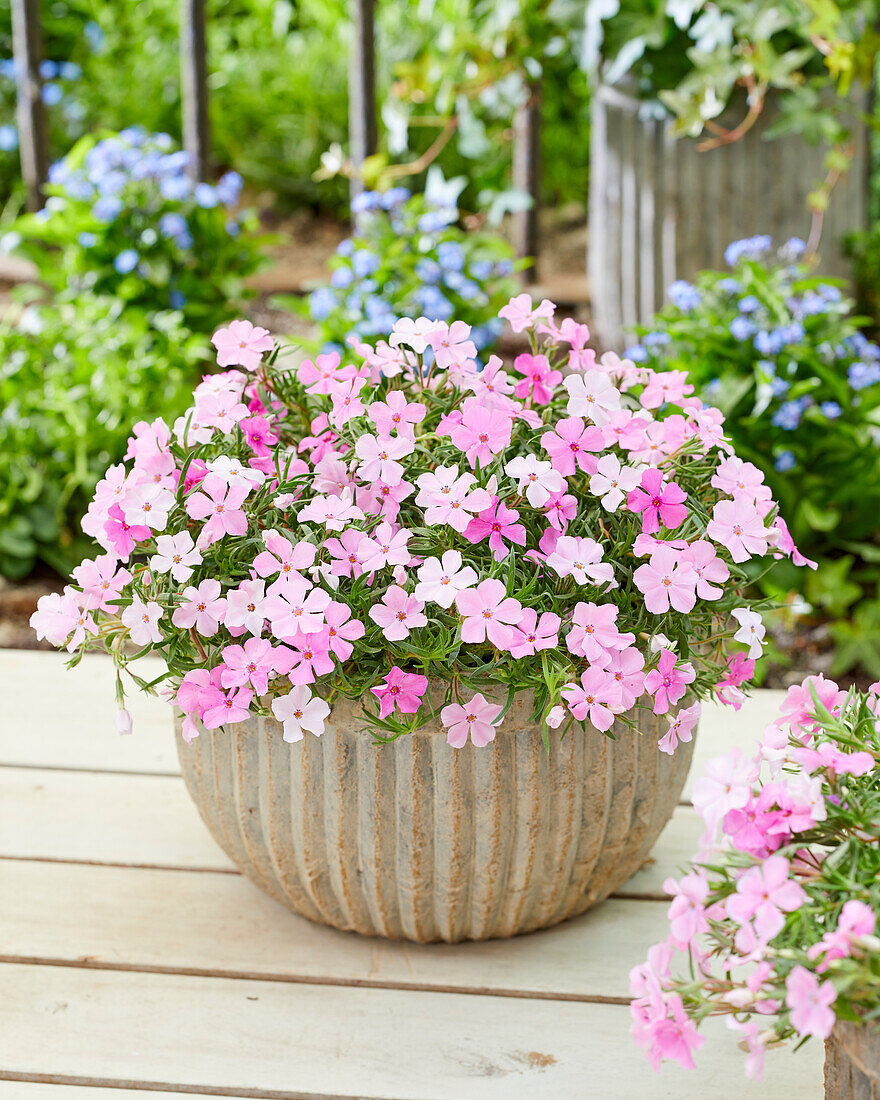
852,1063
416,840
660,210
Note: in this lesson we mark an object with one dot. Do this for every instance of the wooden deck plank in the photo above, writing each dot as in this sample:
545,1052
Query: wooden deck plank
30,1090
100,818
322,1041
219,924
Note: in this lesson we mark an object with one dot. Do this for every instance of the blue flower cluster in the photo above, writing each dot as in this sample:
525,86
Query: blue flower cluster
372,292
57,77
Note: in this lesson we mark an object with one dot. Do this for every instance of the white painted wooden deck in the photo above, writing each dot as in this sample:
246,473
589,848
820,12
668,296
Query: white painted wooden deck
136,963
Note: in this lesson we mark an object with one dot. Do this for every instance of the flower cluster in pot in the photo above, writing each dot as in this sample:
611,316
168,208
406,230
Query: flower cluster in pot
572,527
774,922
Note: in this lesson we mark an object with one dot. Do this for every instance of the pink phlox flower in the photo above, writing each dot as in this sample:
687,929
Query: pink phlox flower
401,691
176,554
386,546
148,439
757,828
110,490
221,410
476,720
281,556
660,502
342,630
626,668
536,480
708,567
572,446
296,607
304,658
142,620
379,499
332,475
491,382
594,698
522,314
123,536
738,479
497,524
856,921
810,1003
540,379
595,632
592,394
668,681
452,345
613,482
667,580
568,331
448,496
755,1041
581,559
219,505
687,912
348,557
396,414
57,616
246,608
763,894
625,428
681,728
157,467
532,635
378,457
251,663
259,435
736,525
333,512
300,711
560,509
241,344
323,376
201,607
489,614
724,785
665,387
102,580
798,709
441,579
233,706
346,402
828,757
199,691
482,432
398,613
783,544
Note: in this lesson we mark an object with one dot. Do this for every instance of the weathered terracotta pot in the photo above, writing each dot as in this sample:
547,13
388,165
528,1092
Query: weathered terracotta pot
416,840
852,1063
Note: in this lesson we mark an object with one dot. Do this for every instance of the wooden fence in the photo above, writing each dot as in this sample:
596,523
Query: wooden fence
31,112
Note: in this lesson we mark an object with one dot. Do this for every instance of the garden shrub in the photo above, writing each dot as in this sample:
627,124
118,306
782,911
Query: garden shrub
779,351
123,218
73,377
409,258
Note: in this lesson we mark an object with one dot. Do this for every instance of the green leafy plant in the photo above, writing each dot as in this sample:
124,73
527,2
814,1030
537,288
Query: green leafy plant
124,218
779,351
72,379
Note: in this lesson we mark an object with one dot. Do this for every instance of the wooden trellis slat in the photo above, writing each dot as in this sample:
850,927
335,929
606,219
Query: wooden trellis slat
194,87
362,129
27,45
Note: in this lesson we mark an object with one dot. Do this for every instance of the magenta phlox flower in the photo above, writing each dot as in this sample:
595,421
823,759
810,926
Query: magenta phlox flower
540,380
498,524
660,502
668,681
401,691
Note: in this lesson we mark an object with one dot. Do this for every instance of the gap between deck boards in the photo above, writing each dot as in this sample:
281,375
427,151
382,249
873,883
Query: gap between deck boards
186,1090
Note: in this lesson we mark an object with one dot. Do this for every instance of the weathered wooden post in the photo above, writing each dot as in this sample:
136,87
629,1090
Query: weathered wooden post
194,87
27,48
527,176
362,131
